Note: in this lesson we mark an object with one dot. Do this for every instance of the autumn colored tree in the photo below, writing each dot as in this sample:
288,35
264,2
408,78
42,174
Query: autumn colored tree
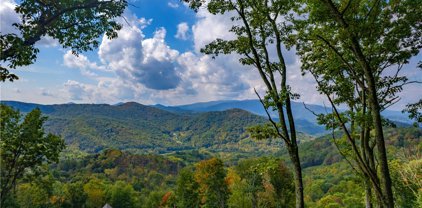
213,190
266,182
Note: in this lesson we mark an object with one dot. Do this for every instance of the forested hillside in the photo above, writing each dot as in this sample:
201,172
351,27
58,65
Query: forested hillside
140,128
150,180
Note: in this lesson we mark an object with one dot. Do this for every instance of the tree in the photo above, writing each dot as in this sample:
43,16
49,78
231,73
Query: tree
356,50
261,26
122,195
266,181
74,24
25,147
75,194
187,189
213,190
95,190
31,195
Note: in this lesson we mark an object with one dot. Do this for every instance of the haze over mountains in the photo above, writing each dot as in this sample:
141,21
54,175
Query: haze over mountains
218,125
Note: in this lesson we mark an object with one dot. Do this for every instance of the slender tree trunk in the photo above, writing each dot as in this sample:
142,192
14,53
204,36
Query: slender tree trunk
368,194
254,200
379,135
294,157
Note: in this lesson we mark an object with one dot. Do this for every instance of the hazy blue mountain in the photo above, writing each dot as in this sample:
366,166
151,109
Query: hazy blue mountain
300,112
173,109
254,106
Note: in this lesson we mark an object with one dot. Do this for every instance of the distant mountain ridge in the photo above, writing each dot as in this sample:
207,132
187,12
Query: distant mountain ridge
304,115
300,112
141,128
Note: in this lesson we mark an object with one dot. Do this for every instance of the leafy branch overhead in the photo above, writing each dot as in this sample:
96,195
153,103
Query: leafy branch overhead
74,24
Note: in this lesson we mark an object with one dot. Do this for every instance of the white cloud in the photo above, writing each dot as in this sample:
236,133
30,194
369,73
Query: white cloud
47,41
76,91
150,62
82,63
8,16
143,22
182,30
173,4
148,70
210,27
106,90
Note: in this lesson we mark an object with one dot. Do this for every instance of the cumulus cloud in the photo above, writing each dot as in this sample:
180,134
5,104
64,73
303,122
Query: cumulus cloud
76,90
210,27
106,90
147,69
150,62
150,71
182,30
80,62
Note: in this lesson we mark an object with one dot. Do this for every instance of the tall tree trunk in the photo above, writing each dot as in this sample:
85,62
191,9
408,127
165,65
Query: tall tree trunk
368,194
294,157
386,183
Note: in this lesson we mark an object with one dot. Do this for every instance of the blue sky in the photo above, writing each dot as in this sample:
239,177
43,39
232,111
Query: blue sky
155,59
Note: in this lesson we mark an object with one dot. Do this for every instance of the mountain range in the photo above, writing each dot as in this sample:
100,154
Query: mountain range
217,125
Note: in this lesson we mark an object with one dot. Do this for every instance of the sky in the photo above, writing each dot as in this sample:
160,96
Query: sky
155,59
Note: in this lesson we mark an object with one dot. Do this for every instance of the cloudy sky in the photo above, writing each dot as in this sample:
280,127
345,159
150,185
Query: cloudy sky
155,59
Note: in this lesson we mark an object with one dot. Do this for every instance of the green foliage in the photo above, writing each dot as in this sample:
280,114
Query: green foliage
406,176
414,110
96,192
161,181
263,182
210,176
122,195
31,196
74,24
75,194
187,189
140,129
25,148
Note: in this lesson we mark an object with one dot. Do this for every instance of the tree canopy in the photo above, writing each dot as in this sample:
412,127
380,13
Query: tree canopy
74,24
25,148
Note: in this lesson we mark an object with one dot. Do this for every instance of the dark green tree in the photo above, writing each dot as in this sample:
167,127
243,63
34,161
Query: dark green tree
187,189
75,194
25,148
74,24
122,195
258,31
